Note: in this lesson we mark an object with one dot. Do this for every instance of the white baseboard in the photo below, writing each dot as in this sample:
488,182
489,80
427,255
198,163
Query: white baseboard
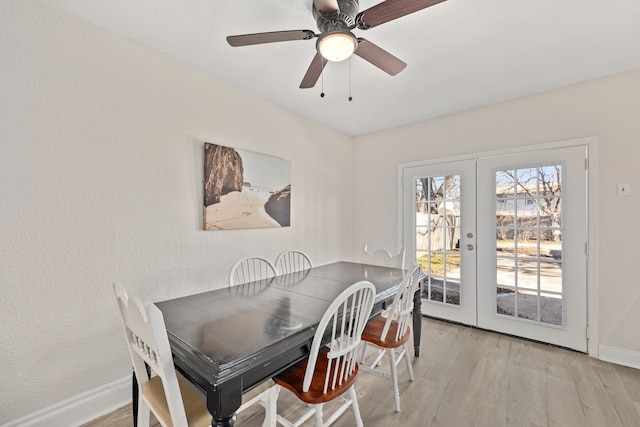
81,408
620,356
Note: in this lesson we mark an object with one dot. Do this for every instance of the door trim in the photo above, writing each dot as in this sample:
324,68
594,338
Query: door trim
592,214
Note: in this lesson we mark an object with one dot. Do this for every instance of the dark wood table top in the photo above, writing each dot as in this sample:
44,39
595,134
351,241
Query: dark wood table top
228,340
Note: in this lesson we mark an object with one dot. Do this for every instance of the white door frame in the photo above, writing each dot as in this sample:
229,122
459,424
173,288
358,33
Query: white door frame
592,215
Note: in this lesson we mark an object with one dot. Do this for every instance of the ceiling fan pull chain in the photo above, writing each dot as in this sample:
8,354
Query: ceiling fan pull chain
322,76
350,98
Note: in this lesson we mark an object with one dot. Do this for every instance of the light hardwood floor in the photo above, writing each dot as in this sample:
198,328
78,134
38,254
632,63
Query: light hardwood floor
469,377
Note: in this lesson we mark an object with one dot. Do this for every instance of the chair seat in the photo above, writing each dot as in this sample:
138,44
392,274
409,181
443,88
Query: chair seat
194,405
292,380
373,331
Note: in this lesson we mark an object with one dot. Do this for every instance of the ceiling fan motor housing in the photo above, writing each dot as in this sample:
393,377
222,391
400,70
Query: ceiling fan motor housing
342,19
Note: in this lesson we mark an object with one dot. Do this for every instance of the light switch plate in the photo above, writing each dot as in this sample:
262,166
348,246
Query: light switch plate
624,189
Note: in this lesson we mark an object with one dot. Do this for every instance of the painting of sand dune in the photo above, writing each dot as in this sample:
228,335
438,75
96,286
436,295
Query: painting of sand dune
243,189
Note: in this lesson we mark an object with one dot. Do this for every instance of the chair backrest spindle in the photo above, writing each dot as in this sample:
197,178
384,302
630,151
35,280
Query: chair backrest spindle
402,305
250,270
292,261
346,317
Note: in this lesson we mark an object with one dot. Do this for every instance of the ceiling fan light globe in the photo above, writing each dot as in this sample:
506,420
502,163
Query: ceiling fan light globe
337,46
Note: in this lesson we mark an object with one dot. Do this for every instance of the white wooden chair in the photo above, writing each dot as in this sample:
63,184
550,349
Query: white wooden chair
331,371
392,333
173,401
383,258
292,261
250,270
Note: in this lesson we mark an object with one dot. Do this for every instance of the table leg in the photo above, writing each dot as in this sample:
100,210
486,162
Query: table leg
417,320
134,398
223,401
223,422
134,394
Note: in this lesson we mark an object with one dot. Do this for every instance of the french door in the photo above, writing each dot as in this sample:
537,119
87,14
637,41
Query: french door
439,233
502,241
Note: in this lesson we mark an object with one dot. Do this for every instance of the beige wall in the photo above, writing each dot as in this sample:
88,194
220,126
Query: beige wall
100,180
606,108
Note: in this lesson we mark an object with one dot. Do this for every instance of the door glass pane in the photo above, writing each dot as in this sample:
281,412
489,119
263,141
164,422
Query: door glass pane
529,244
438,237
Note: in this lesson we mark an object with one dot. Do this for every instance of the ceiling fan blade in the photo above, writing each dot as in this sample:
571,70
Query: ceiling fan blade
326,6
379,57
274,36
391,9
313,72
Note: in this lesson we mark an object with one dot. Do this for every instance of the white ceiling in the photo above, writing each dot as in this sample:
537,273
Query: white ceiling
461,54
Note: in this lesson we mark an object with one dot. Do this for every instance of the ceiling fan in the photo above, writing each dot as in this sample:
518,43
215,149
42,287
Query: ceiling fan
336,42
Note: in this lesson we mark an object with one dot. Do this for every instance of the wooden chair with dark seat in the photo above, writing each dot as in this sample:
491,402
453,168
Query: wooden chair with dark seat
171,398
391,334
381,257
331,370
292,261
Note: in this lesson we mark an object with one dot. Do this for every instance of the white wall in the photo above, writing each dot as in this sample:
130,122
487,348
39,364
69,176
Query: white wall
100,180
607,108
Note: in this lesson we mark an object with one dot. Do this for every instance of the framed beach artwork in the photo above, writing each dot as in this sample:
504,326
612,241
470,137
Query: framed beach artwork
243,189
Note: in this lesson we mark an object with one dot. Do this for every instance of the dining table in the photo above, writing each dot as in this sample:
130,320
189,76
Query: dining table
227,341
